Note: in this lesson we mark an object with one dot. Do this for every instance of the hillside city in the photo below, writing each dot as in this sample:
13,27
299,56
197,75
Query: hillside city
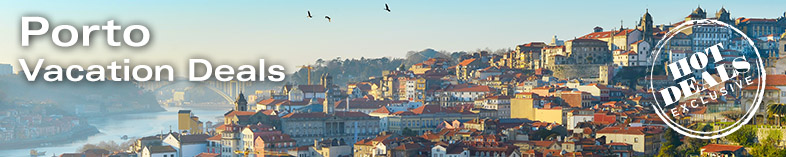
587,96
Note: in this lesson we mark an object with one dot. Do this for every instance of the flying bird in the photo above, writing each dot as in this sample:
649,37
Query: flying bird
327,17
309,14
387,8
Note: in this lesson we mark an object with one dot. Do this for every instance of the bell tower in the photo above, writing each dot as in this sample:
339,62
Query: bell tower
240,103
328,106
645,25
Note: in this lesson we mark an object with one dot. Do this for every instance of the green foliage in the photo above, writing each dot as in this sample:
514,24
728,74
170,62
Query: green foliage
692,146
672,138
344,71
670,144
354,70
409,132
415,57
773,137
776,111
745,136
767,146
667,151
544,134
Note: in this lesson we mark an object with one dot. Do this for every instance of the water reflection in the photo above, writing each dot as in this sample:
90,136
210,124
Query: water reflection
112,128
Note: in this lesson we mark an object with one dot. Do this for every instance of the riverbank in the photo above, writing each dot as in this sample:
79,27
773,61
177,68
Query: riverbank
80,133
113,127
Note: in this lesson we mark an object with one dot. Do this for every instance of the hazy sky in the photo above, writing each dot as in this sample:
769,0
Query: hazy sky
243,31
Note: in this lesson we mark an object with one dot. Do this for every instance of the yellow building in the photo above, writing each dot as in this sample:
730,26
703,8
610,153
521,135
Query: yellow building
188,122
522,106
550,114
528,105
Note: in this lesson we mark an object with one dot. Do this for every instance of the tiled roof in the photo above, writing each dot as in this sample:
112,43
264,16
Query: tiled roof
756,20
270,101
542,143
208,155
629,53
637,42
273,138
618,144
428,109
323,115
382,110
364,103
475,88
466,62
775,80
240,113
214,138
720,148
606,34
408,146
629,130
161,149
192,139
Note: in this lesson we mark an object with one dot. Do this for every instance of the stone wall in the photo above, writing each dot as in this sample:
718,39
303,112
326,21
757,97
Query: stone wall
569,71
763,131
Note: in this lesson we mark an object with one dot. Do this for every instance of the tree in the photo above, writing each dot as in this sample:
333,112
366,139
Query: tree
544,134
745,136
777,111
409,132
767,146
667,151
672,138
691,146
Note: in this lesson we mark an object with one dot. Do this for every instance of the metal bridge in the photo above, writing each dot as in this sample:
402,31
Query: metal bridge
227,90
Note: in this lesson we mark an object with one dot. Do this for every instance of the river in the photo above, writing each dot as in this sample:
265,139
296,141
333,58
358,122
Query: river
112,128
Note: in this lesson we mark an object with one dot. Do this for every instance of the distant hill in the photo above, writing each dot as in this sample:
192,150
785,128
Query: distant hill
107,96
346,70
415,57
354,70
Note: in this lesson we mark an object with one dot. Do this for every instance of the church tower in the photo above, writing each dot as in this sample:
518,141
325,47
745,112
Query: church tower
240,103
697,14
326,80
328,107
645,25
724,16
330,99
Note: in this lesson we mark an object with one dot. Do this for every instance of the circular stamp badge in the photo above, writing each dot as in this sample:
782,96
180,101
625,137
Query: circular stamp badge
711,69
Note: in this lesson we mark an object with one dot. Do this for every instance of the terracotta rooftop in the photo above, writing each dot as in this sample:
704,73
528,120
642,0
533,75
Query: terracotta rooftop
720,148
323,114
466,62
